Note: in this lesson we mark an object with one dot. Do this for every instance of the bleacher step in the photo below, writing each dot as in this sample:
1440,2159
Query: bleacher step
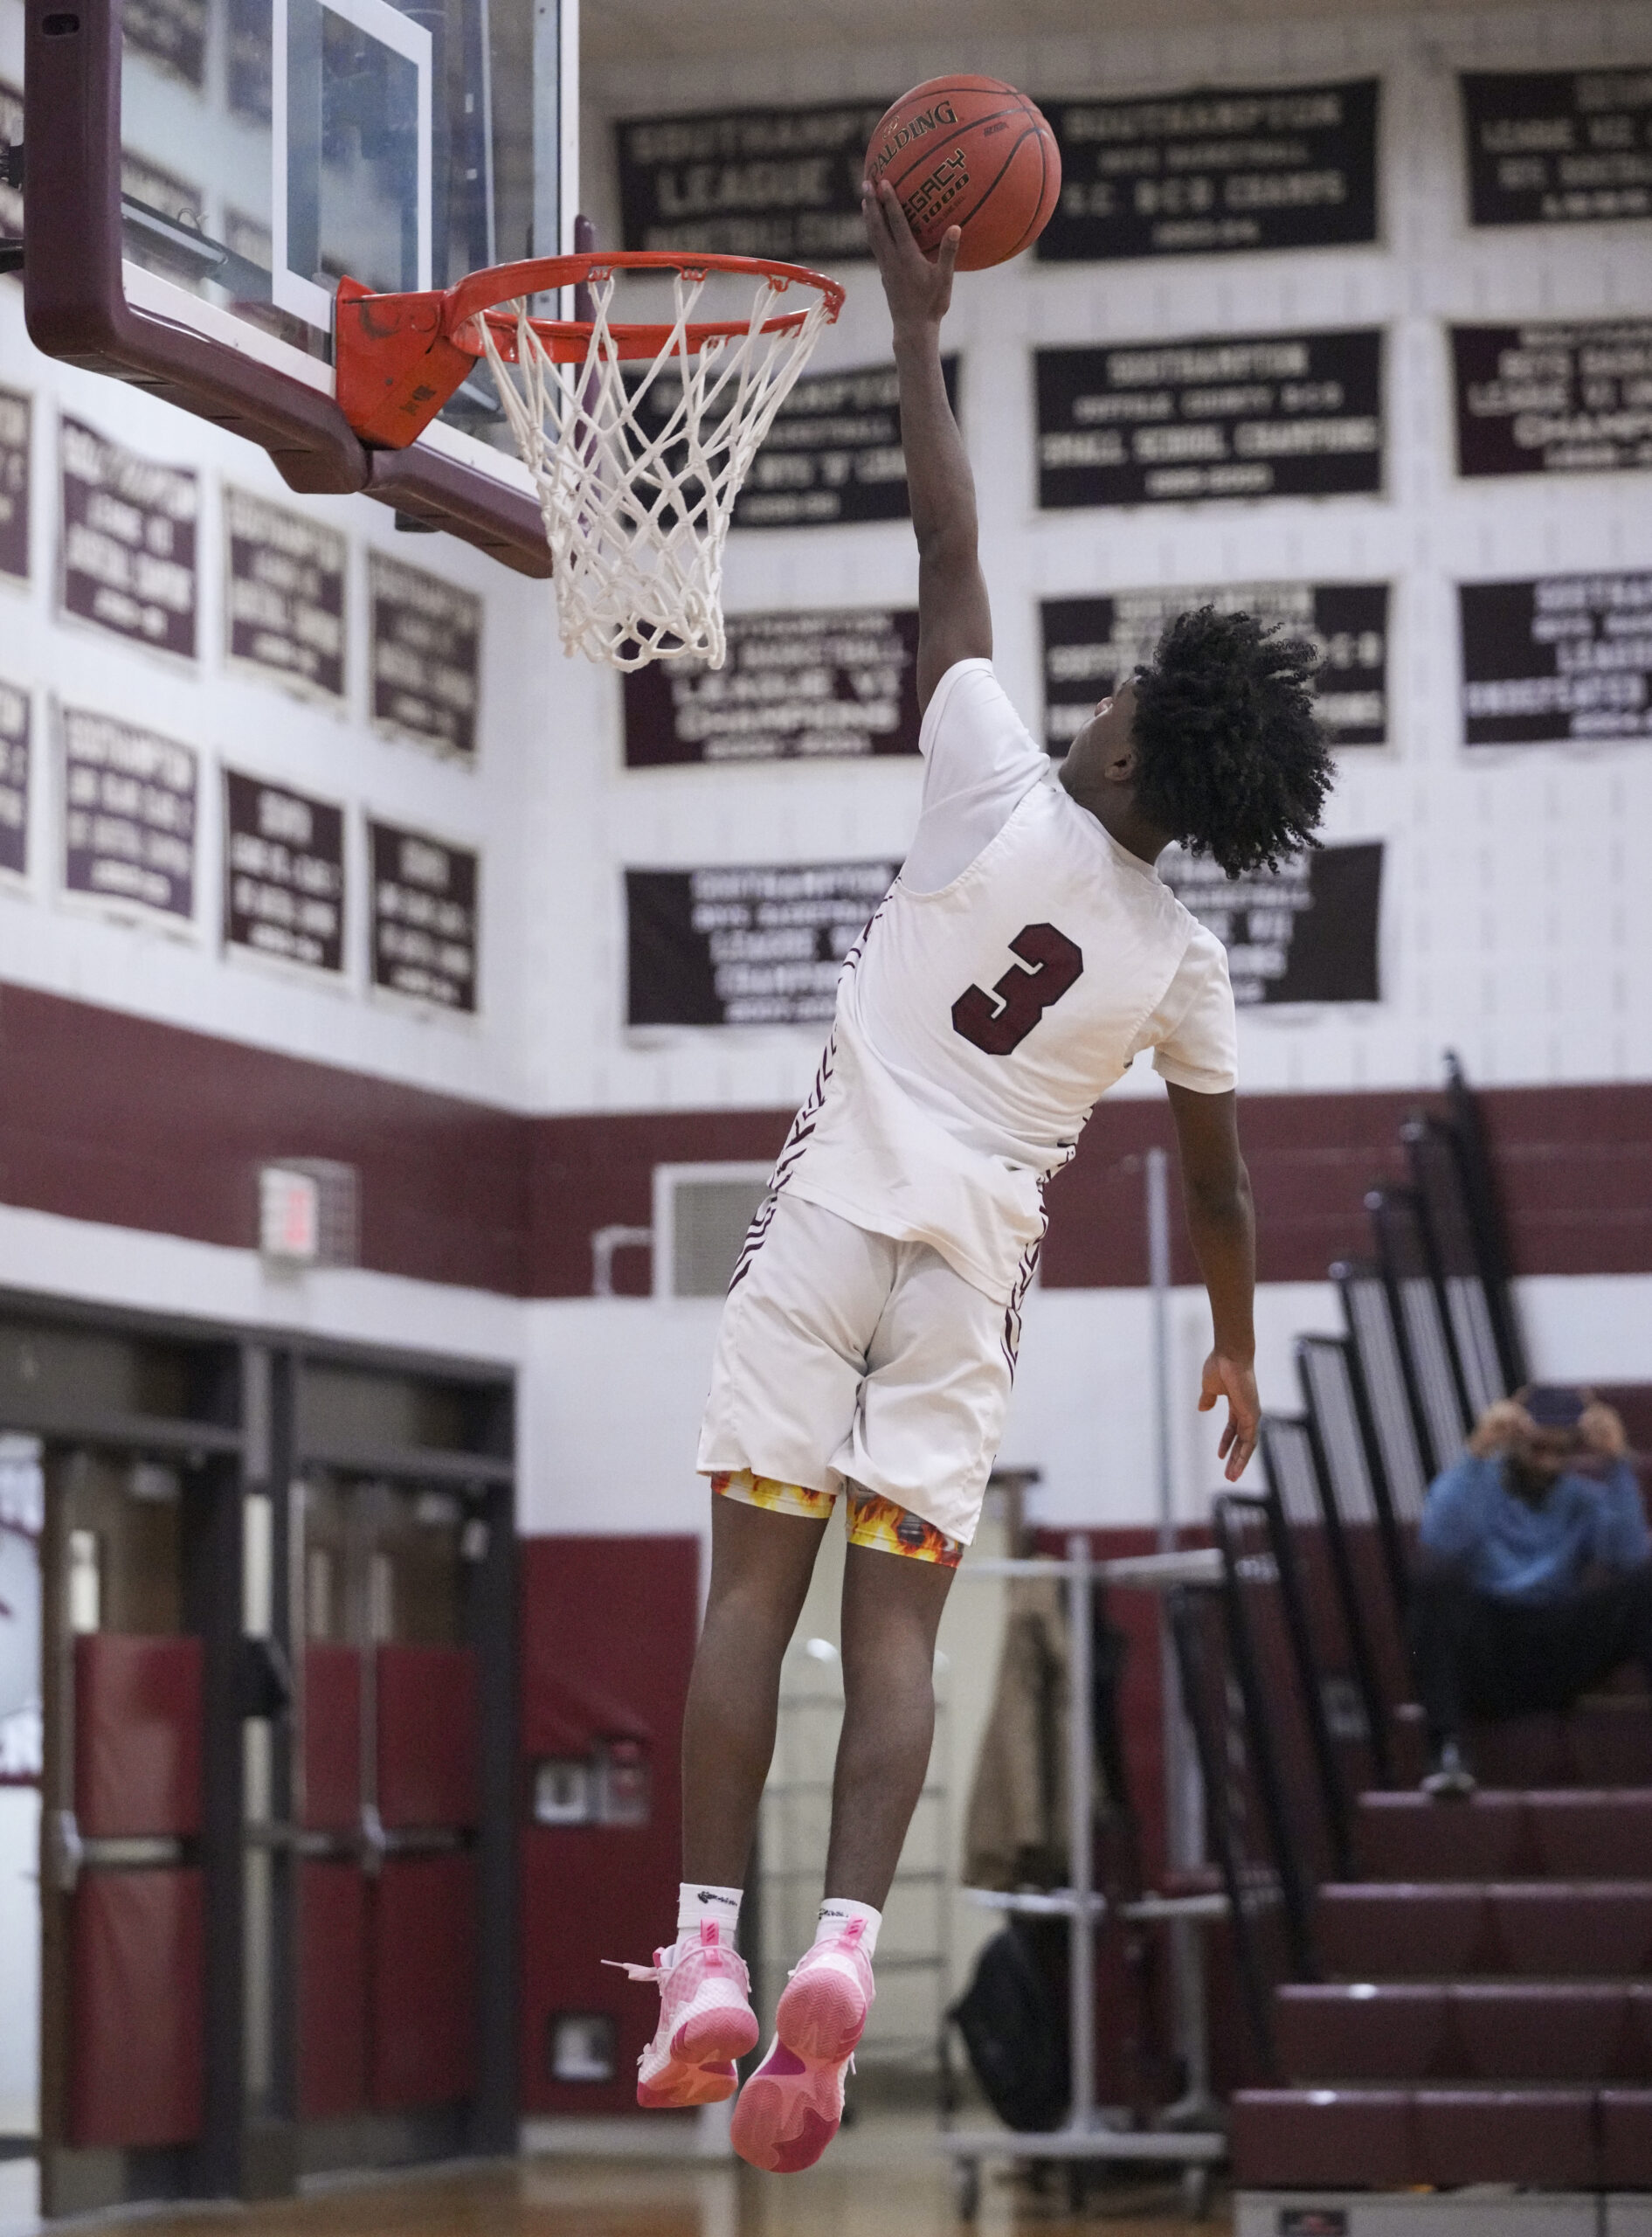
1382,1931
1603,1740
1352,2138
1557,1833
1486,2032
1493,2211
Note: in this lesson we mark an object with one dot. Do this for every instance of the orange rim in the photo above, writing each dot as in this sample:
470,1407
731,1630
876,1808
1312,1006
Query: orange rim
478,296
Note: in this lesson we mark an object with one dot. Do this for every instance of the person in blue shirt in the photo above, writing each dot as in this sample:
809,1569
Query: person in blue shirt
1535,1571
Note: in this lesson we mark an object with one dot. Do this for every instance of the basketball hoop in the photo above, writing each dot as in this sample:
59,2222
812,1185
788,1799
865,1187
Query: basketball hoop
636,504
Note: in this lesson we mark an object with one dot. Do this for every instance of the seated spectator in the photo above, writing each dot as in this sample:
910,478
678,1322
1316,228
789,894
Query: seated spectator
1534,1574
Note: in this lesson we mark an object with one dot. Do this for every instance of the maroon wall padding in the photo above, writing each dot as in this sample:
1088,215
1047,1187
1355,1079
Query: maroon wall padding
1573,1165
423,1940
137,1946
608,1629
137,1735
332,1989
114,1117
120,1119
332,1739
429,1732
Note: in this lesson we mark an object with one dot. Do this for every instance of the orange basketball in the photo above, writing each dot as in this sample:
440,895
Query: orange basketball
970,152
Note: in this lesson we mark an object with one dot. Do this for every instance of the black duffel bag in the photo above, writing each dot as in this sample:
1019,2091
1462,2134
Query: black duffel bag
1014,2028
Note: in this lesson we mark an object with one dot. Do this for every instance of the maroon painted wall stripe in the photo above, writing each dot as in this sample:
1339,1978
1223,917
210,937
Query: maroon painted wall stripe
117,1118
108,1117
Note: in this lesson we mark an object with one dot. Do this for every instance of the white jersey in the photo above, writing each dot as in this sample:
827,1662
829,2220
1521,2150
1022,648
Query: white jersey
1017,966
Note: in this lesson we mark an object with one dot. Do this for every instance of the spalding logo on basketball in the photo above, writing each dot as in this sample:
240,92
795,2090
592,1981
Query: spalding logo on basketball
970,152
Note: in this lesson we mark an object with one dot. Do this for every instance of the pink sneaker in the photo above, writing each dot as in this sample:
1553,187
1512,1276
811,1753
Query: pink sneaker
793,2106
706,2023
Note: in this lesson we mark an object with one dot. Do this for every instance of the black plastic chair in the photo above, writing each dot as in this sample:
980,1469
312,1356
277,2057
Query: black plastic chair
1483,1206
1400,1471
1235,1830
1407,1265
1298,1781
1355,1710
1435,1155
1378,1550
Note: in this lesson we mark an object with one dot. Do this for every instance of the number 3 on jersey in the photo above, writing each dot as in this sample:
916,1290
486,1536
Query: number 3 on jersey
1022,996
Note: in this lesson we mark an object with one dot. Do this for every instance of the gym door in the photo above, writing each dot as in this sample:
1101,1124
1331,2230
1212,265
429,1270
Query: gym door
22,1511
387,1800
123,1887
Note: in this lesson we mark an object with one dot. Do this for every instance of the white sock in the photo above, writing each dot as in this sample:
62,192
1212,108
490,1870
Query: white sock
696,1903
836,1913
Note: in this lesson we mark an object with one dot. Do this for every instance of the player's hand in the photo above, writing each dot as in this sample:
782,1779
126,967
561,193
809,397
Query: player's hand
1235,1381
1500,1427
919,288
1600,1428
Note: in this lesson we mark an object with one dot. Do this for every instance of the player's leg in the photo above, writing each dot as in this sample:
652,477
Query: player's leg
764,1537
791,1354
892,1607
761,1563
932,1408
896,1574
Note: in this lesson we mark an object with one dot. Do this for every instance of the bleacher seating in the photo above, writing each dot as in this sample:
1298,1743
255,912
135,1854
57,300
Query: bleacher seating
1461,1996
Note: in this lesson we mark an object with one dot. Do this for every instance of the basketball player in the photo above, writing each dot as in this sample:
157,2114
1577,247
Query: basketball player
1027,952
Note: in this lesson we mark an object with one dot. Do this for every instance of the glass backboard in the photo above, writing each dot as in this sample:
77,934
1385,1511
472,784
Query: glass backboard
271,147
267,150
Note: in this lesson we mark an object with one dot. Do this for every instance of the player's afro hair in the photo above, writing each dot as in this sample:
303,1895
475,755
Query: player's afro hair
1231,760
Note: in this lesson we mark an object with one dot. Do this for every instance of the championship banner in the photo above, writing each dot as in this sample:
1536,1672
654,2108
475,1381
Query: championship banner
283,873
744,946
426,650
831,456
424,922
1307,932
783,183
1260,415
1199,174
1558,146
283,597
129,815
1565,660
793,687
16,415
127,545
15,712
1553,400
1090,642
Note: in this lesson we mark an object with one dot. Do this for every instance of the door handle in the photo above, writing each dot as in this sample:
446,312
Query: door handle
375,1842
64,1850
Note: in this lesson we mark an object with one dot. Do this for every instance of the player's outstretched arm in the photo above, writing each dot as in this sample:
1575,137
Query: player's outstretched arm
955,622
1221,1227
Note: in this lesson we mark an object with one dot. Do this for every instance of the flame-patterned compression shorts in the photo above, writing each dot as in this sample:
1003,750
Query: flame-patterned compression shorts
872,1521
846,1360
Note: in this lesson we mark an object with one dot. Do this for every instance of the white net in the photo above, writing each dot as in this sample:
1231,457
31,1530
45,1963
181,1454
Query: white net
637,475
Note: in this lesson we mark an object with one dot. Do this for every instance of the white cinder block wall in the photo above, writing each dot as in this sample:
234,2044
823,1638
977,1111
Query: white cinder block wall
1517,925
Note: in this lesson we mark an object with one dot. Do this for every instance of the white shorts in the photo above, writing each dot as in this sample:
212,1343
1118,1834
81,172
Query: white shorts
845,1356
